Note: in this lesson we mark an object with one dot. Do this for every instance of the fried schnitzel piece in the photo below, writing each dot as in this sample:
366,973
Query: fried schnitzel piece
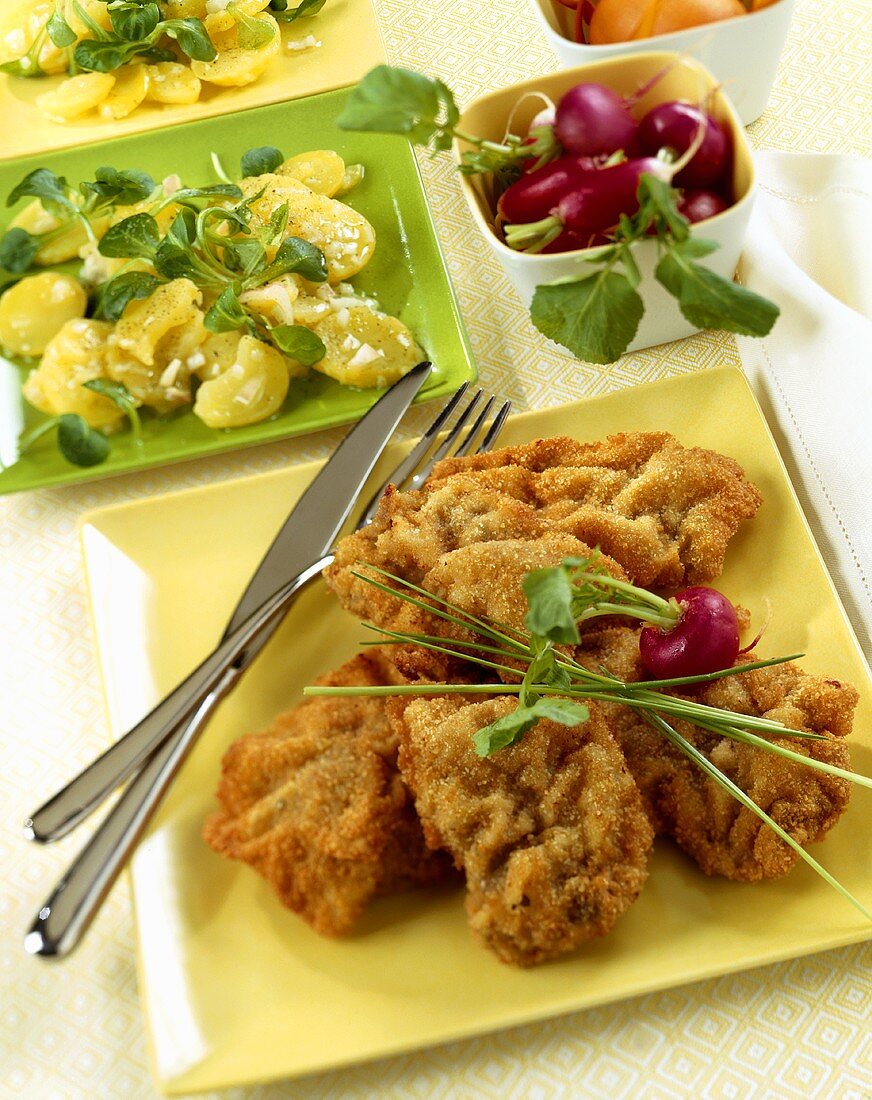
485,581
551,831
316,805
709,824
665,513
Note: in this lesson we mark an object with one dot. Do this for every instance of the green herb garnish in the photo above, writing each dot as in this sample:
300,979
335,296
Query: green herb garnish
597,315
553,678
79,443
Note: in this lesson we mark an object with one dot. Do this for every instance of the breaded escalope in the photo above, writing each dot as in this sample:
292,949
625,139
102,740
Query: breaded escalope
484,580
316,805
722,836
551,832
664,512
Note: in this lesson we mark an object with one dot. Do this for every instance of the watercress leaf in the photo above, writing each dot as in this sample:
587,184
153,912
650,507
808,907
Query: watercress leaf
44,185
659,200
176,261
278,222
22,66
192,38
259,161
113,296
509,729
295,254
279,10
399,101
103,56
183,229
710,301
17,249
115,391
299,342
137,236
135,22
124,187
59,30
565,712
695,247
251,33
631,268
504,731
79,443
250,256
156,54
210,191
549,601
227,314
595,317
123,398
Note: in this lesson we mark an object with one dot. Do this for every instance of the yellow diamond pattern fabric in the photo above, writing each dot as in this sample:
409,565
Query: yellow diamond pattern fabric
796,1030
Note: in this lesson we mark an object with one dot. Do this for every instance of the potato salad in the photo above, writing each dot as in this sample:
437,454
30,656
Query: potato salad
118,54
214,298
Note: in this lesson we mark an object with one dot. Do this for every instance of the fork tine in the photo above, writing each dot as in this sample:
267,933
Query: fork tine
417,466
444,448
466,446
495,428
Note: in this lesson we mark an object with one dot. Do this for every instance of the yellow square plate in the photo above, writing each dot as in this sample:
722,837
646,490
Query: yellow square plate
236,988
350,46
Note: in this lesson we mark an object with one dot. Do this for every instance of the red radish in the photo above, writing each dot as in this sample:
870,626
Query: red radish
569,242
704,640
593,119
675,126
535,194
698,205
594,204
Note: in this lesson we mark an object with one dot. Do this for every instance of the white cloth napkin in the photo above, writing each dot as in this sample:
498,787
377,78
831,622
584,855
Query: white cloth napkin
809,248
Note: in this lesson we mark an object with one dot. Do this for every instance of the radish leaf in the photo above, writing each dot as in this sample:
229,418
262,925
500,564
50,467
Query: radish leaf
595,317
710,301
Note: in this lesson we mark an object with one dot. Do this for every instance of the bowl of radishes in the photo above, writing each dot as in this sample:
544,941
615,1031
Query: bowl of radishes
740,41
586,227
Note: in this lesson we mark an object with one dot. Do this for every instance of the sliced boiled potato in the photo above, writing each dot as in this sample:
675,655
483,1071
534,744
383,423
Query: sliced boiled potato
218,354
366,349
345,237
35,309
236,67
251,389
131,87
77,354
155,345
172,82
184,9
76,96
322,171
68,242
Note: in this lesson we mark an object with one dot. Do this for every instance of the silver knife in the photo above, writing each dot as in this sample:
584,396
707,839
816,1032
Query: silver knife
305,537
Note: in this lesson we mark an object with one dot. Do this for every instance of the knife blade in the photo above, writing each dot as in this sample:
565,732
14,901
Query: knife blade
305,536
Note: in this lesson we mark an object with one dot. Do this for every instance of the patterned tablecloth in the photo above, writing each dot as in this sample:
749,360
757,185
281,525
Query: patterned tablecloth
798,1029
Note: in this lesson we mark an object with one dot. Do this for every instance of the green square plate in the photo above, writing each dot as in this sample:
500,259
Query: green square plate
407,275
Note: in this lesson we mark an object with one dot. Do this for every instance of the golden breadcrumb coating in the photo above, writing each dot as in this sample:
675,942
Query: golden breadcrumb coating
665,513
316,805
551,832
722,836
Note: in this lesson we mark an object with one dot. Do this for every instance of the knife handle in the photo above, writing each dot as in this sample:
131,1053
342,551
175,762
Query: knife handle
86,791
66,914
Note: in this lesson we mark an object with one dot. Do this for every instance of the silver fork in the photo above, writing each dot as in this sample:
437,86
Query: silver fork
71,907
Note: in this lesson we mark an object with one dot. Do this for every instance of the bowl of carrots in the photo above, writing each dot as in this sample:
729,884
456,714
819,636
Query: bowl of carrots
629,149
740,41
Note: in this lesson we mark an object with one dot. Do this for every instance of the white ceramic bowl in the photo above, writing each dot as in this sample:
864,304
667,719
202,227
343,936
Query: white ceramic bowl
742,53
487,117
